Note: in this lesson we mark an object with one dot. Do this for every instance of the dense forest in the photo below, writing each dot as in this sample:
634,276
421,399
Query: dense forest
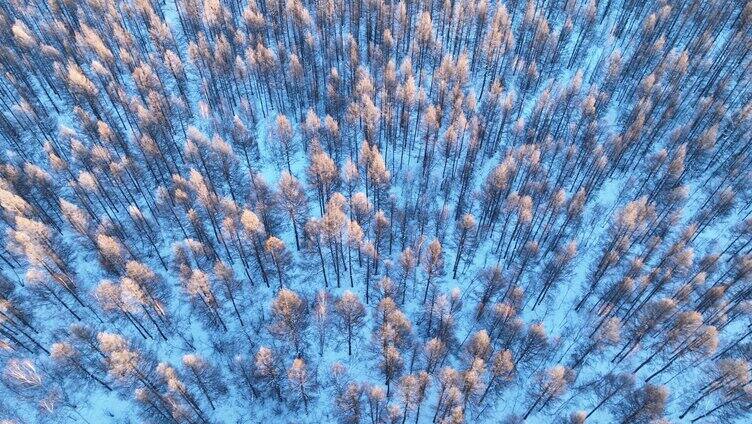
375,211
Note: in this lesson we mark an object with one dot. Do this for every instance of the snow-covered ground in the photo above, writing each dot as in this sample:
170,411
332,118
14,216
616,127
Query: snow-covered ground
597,154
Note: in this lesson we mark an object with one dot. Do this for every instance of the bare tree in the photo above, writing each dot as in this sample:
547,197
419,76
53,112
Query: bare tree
433,265
300,382
293,200
206,376
351,314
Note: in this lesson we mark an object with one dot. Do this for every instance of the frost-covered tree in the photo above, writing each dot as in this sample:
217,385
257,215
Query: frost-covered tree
580,168
351,315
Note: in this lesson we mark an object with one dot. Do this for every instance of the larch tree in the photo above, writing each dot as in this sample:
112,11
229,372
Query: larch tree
391,365
465,227
322,175
644,403
300,383
289,323
433,265
200,290
281,259
206,376
231,286
579,167
254,231
283,135
295,202
553,384
322,317
351,315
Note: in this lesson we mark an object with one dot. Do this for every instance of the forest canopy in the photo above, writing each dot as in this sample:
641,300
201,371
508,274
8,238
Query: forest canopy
375,211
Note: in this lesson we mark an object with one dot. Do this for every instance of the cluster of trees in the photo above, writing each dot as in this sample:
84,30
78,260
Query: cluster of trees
375,211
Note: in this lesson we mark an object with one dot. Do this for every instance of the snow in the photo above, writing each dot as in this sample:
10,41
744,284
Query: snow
567,328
